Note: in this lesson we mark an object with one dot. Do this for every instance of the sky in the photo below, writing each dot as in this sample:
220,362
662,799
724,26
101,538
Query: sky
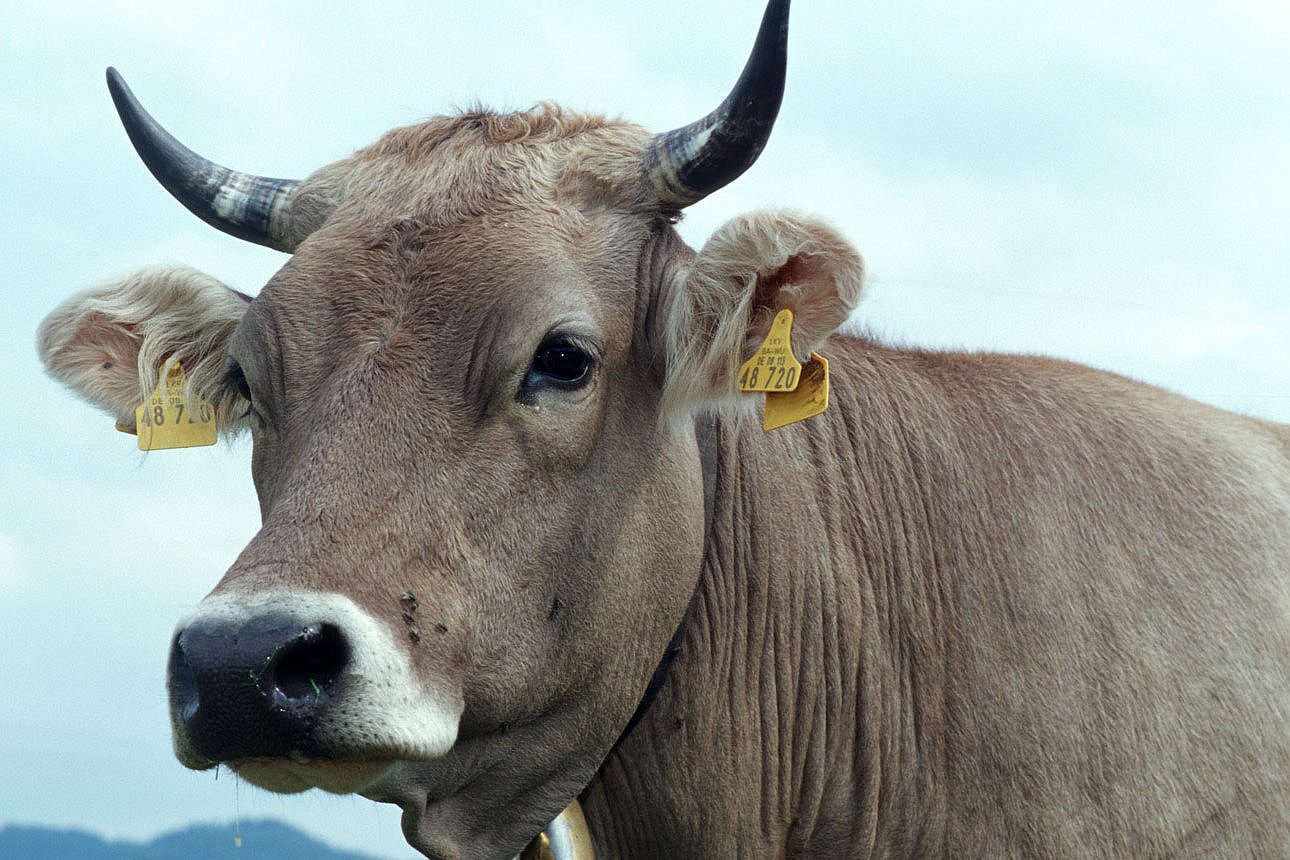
1101,181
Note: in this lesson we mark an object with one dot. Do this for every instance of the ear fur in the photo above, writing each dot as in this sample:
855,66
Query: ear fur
110,343
753,267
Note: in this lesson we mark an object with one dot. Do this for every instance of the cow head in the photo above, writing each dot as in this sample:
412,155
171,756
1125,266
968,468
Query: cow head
471,391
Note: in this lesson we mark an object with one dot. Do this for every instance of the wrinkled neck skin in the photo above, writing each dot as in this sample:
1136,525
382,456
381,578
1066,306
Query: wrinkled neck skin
771,681
985,606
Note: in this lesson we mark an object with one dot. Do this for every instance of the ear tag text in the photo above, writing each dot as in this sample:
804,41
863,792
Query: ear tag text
773,367
794,392
810,398
170,420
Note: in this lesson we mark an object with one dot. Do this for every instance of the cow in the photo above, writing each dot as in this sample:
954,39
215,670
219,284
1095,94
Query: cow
526,545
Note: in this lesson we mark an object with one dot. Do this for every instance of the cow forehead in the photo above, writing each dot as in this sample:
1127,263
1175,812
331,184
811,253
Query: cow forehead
451,311
508,274
474,210
453,248
449,169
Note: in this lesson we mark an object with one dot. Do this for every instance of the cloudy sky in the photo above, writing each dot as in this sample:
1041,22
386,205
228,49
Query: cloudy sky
1107,182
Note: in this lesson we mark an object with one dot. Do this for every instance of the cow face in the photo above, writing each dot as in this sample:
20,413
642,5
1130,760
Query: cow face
470,392
464,480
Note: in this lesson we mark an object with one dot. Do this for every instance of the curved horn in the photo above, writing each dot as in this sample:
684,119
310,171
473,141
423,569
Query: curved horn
687,164
249,207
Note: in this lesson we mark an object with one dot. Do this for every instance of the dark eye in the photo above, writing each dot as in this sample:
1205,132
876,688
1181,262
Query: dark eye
235,378
559,362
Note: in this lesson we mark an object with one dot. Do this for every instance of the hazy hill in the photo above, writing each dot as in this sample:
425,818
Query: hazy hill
261,840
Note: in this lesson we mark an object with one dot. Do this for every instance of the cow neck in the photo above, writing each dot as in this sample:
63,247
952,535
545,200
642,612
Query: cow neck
705,433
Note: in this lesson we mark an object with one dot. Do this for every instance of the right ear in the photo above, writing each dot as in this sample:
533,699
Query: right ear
110,343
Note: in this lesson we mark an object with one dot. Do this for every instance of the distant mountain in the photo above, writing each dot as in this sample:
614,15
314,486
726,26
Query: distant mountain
261,840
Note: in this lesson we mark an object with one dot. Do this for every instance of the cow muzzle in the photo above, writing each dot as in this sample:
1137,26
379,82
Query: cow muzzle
300,691
257,690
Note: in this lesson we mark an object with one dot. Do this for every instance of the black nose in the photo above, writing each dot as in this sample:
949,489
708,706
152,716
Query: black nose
256,688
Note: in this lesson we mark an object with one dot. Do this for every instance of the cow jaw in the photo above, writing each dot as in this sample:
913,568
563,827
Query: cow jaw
296,691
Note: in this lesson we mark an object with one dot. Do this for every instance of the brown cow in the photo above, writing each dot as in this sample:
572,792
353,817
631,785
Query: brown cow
524,542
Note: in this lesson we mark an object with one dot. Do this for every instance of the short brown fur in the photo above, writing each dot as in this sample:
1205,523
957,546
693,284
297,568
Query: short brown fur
985,606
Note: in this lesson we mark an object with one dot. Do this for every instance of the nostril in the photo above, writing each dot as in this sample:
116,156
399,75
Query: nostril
183,683
306,670
257,687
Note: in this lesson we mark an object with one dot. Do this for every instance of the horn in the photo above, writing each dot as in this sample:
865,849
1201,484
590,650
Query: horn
249,207
685,165
565,838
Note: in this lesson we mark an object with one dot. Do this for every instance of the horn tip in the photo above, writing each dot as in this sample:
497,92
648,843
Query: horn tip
121,94
687,164
114,79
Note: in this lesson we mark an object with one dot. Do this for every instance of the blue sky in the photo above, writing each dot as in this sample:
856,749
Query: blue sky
1105,182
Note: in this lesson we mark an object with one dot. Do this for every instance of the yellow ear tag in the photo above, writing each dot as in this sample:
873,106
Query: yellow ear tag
773,367
167,421
810,398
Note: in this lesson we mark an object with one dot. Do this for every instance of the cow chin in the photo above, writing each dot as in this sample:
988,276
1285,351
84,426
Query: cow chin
289,776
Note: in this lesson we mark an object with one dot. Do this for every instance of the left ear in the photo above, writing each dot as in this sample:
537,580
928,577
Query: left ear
752,268
110,343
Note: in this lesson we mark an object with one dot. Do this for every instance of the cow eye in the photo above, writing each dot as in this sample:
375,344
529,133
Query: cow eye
559,362
235,377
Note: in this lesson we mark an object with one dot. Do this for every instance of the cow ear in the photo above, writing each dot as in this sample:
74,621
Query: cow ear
109,343
752,268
